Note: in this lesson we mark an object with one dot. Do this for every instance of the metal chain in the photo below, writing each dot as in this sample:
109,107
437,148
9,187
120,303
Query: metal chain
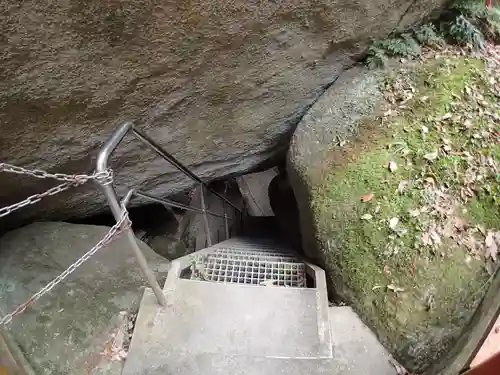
103,178
121,225
4,211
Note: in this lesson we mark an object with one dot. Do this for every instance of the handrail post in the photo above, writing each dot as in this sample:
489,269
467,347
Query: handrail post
226,224
205,217
114,204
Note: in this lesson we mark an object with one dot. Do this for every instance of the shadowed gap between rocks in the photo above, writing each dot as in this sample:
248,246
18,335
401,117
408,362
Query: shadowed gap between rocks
172,232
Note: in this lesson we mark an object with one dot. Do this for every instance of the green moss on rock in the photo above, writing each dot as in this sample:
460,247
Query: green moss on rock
418,297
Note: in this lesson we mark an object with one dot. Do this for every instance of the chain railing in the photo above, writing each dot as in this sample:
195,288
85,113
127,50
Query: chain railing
122,224
110,193
103,178
69,181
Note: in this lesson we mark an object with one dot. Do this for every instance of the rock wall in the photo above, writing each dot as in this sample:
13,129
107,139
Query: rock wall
219,84
68,331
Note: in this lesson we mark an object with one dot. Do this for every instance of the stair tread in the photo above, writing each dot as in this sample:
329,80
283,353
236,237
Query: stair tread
215,328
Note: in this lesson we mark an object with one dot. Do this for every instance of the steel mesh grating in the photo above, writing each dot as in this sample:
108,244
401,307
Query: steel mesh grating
253,267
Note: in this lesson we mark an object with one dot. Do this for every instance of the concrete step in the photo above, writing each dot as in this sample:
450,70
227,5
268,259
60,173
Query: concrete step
226,327
213,364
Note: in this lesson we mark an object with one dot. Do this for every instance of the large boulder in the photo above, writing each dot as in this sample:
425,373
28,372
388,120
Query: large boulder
72,329
219,84
398,200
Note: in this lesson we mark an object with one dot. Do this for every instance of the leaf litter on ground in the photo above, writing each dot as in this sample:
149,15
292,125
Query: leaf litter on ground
470,126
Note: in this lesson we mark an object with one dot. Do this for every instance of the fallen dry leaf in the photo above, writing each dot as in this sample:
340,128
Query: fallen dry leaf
393,223
395,288
386,270
446,116
431,156
392,166
366,217
459,223
366,197
426,239
401,186
436,238
268,282
400,370
430,180
491,245
414,213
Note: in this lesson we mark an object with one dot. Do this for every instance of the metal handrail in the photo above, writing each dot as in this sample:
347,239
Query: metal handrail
177,164
172,203
110,193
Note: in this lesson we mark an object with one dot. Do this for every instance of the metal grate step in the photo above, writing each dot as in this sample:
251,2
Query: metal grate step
251,267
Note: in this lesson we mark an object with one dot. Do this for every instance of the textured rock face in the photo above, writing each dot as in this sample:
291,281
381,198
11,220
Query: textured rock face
219,84
66,331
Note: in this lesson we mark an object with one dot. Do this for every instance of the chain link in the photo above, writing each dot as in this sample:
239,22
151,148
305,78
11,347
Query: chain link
121,225
103,178
69,181
4,211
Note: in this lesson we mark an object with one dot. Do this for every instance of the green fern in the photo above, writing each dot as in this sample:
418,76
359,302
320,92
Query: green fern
404,46
427,35
493,23
464,32
486,19
471,8
375,57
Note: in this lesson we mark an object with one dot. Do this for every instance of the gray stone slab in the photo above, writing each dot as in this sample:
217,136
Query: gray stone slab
67,330
254,188
213,364
356,348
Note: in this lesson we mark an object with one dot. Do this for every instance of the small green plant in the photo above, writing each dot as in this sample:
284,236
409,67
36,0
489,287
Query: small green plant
464,32
375,57
492,27
427,35
471,8
486,19
403,46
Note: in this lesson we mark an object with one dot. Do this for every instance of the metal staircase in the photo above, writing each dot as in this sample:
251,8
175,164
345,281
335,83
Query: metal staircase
247,305
238,303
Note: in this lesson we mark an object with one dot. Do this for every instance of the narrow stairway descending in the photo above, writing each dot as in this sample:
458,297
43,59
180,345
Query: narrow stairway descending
241,303
249,305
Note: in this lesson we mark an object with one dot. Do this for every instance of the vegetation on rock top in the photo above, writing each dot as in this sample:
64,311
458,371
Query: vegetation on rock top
469,25
409,215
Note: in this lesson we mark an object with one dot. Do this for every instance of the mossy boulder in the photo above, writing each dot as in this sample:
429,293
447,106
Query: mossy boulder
400,203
